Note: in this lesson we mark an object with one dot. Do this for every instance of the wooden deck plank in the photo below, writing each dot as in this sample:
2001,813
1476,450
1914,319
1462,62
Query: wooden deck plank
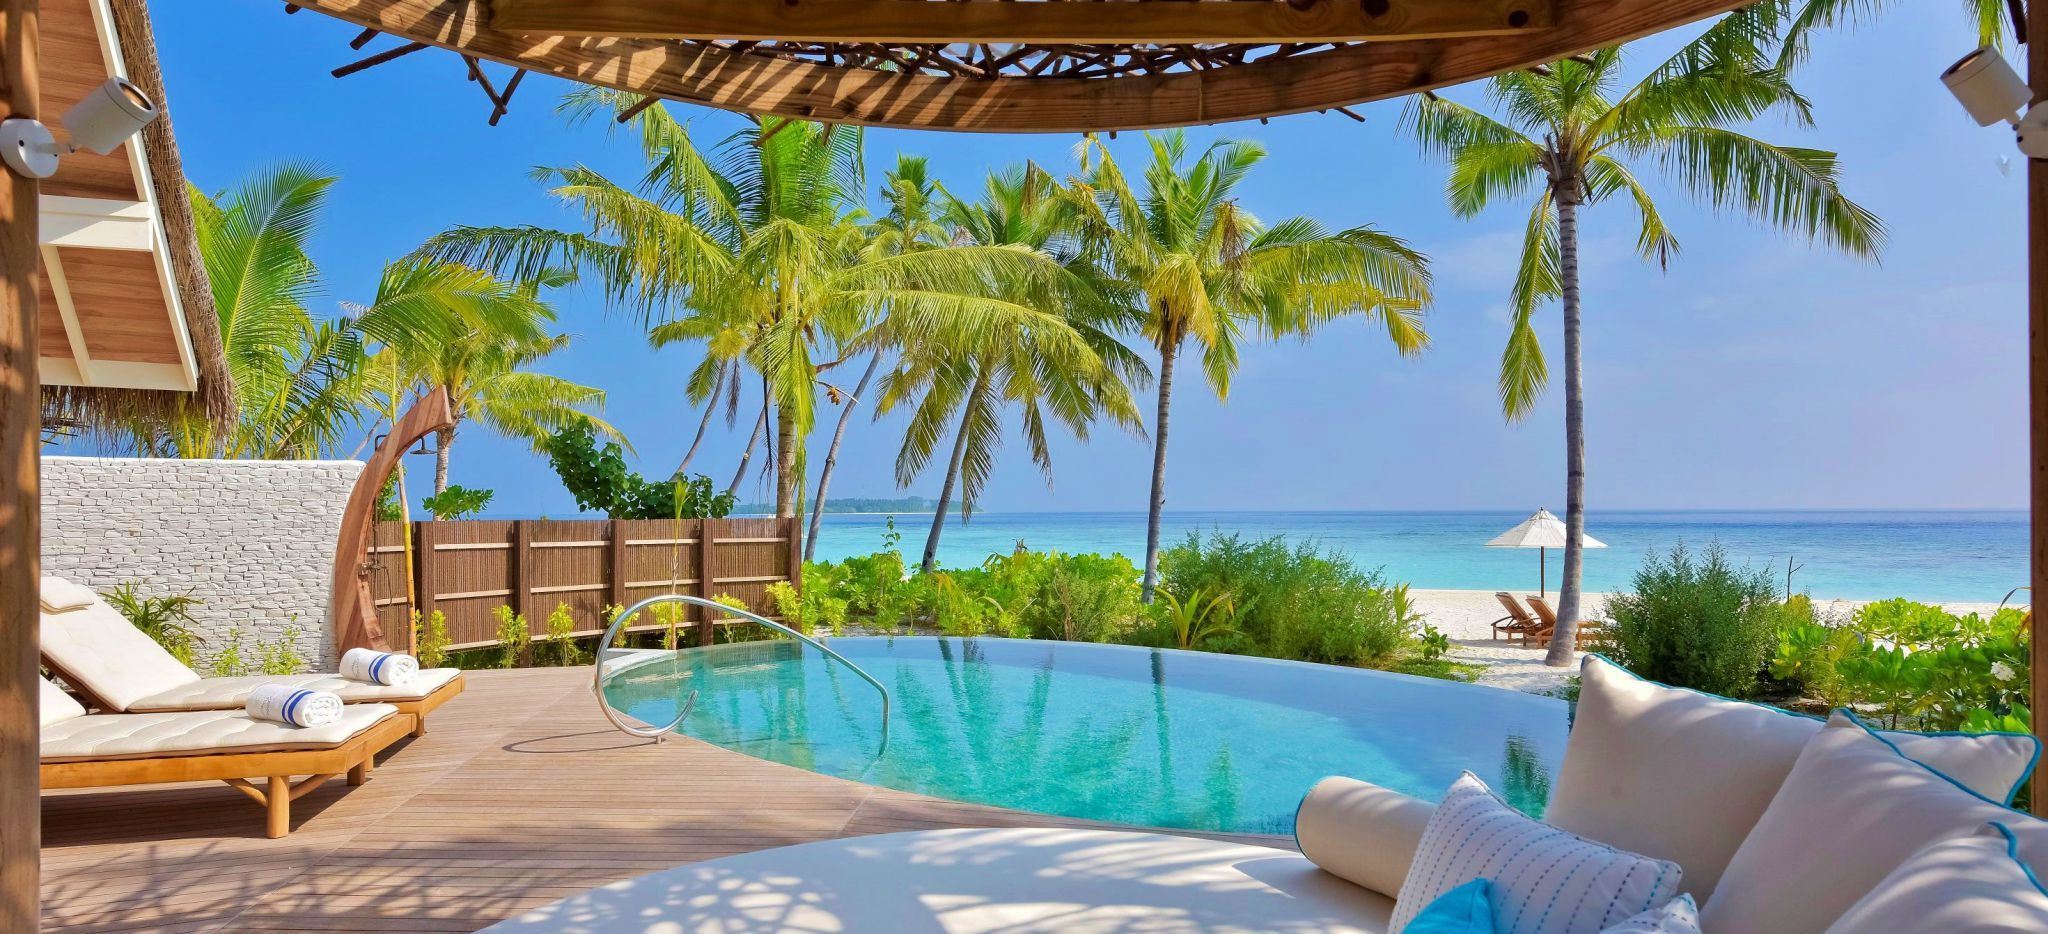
488,815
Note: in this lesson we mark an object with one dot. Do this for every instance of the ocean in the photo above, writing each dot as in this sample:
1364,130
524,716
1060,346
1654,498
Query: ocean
1954,556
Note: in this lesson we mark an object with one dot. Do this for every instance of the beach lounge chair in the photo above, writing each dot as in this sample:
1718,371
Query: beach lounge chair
1589,630
1518,622
120,669
81,750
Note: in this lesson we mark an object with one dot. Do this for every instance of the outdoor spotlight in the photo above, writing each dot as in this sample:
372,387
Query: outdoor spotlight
107,117
1991,91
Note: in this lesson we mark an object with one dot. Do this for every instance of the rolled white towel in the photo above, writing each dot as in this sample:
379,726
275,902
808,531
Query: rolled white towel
283,703
374,667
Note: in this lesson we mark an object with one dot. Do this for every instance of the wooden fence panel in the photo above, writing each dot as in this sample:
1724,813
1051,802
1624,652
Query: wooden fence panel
469,568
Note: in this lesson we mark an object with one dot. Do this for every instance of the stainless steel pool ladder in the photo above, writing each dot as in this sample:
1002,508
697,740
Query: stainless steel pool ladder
659,732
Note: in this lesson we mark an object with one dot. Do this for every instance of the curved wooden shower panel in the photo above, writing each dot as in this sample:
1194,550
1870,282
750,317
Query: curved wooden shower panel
354,613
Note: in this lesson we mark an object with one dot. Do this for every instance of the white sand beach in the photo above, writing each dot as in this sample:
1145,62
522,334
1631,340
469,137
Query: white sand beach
1467,617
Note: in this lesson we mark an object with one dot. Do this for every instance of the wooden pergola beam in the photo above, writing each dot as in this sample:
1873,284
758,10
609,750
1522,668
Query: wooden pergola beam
20,490
999,21
730,79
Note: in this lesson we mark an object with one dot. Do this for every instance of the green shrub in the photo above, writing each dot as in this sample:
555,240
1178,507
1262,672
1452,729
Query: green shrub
514,638
228,662
1810,654
167,619
812,607
562,636
1294,601
1697,622
1197,621
1433,644
457,502
281,656
431,639
601,482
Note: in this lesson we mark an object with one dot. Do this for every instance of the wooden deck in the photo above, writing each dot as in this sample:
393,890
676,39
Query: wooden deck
486,816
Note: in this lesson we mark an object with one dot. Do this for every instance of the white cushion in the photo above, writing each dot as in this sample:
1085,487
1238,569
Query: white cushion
1361,832
55,705
100,650
1016,880
1972,884
1680,775
231,693
1851,811
1678,916
1545,880
59,595
101,737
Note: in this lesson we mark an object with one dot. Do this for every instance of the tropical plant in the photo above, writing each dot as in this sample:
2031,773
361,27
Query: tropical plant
758,241
1293,600
1432,644
601,482
1071,370
561,636
1568,132
1199,619
166,619
1696,621
1996,21
430,638
281,656
1192,264
808,609
515,639
455,502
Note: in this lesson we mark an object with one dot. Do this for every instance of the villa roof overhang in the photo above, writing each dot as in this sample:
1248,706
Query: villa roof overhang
128,324
1000,66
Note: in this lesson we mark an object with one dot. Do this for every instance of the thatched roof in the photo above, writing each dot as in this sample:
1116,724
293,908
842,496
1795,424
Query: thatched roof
104,406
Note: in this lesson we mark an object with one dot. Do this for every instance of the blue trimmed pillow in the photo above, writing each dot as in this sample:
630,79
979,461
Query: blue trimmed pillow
1681,775
1543,880
1852,810
1467,909
1973,884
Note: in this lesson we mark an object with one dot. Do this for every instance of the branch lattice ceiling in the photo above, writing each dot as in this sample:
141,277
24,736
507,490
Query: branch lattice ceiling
1007,65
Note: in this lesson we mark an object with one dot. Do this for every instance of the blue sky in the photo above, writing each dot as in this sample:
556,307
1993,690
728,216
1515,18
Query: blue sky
1757,373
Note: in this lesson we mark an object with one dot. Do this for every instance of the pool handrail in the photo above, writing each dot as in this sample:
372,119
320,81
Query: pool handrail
659,733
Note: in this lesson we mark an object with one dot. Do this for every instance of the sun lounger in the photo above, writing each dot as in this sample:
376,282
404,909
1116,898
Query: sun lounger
81,750
120,669
1518,622
1589,630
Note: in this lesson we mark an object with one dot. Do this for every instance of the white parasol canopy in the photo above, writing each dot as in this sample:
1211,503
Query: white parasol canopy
1542,532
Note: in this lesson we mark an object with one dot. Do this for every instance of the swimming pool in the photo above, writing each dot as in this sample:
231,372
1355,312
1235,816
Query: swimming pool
1149,737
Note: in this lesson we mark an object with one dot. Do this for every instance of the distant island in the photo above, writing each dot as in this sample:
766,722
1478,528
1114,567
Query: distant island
838,504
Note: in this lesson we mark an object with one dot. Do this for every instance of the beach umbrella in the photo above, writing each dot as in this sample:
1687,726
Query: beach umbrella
1542,532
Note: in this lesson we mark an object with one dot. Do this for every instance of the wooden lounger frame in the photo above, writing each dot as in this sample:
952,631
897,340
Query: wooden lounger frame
357,757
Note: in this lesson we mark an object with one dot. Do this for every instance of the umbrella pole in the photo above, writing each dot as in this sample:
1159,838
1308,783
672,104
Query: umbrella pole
1542,573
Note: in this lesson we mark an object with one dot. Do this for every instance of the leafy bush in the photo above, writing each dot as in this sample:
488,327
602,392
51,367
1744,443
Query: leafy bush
514,638
281,656
456,502
1294,601
1697,622
807,609
431,640
562,636
1434,644
167,619
1199,620
601,482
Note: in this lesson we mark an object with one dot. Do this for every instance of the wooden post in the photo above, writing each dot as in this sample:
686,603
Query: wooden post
2037,375
20,491
521,584
707,625
617,571
423,567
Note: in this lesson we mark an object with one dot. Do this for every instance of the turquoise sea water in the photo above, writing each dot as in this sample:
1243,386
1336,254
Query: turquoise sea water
1926,555
1114,733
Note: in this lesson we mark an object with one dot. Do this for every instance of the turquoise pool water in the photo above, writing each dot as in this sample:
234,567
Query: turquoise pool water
1113,733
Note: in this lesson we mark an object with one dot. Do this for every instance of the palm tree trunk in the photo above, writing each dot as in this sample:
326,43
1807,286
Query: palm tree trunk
1564,641
1168,353
931,542
832,453
760,425
710,408
785,462
444,439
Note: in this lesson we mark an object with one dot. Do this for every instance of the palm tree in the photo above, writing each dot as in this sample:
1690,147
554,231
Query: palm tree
1074,374
1993,20
1196,266
760,240
484,368
1566,135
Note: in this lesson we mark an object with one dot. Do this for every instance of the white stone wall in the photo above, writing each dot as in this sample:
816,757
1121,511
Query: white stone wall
254,540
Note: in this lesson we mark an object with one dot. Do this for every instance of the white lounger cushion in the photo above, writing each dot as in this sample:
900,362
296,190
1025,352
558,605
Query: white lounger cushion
101,737
230,693
106,655
59,595
56,705
1680,775
1012,880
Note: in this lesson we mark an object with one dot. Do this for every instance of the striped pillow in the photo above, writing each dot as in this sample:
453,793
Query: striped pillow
1545,880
